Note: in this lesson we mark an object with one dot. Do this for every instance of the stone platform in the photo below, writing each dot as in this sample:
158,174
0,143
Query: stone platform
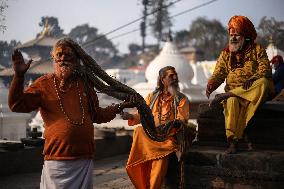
19,159
108,173
266,128
209,168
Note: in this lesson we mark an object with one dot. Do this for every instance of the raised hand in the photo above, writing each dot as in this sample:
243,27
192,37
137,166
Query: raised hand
19,65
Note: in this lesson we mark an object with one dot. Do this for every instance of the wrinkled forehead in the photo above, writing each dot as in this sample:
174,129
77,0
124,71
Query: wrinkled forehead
234,31
170,72
63,48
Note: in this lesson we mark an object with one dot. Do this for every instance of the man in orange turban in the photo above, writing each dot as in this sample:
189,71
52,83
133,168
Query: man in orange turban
245,67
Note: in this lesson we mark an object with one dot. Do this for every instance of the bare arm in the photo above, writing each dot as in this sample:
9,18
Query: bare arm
18,100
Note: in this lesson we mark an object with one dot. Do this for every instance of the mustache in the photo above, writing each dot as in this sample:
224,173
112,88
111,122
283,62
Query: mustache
234,41
173,82
65,64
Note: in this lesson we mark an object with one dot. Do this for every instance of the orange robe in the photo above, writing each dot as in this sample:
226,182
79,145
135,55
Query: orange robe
148,160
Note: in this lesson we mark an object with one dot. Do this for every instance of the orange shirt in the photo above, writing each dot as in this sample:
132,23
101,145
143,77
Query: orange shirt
63,140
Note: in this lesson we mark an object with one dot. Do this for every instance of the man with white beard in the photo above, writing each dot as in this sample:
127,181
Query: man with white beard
69,106
245,67
148,160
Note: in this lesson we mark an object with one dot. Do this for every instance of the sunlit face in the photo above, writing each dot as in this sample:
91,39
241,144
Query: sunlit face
65,61
236,40
170,78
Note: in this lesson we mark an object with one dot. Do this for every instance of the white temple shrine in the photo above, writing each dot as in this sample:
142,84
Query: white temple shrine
170,56
272,50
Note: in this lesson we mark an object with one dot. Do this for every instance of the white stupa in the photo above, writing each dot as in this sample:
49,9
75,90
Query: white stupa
170,56
272,50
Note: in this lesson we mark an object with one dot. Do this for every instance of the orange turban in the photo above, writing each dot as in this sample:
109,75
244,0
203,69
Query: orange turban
243,26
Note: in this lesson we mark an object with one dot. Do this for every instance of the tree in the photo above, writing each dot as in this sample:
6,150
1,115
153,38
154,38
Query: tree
134,48
143,23
97,45
6,50
268,28
52,24
208,35
160,21
3,6
182,38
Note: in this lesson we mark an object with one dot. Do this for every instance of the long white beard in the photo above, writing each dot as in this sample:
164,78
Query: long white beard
63,72
173,89
235,46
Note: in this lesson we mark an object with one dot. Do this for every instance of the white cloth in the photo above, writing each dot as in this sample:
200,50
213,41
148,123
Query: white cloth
67,174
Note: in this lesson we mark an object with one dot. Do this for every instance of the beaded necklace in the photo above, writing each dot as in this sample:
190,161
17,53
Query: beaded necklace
62,107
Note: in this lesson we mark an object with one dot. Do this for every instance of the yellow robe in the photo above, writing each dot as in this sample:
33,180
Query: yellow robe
148,159
239,110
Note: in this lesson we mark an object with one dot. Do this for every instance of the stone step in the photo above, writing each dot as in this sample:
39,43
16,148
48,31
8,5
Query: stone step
266,128
209,167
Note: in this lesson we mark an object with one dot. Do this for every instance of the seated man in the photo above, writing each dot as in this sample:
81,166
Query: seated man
245,67
148,160
278,75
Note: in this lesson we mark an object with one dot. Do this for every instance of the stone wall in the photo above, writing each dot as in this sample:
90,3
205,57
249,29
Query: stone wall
209,167
18,159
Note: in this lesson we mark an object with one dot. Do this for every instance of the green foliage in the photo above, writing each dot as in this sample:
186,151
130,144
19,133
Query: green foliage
268,28
182,38
3,6
6,50
160,21
208,35
134,48
97,45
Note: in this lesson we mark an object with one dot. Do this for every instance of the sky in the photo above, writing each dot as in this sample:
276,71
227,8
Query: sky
23,16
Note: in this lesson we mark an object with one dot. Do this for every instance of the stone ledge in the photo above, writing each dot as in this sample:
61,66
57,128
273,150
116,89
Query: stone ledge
260,160
207,167
265,128
30,159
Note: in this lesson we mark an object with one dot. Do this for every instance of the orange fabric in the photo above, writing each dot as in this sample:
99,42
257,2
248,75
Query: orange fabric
62,139
243,26
145,158
148,159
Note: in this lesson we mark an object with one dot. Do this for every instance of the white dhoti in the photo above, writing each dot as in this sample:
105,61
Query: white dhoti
67,174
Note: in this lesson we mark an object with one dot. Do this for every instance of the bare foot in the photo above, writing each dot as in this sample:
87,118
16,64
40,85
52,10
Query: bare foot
233,146
250,147
231,150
